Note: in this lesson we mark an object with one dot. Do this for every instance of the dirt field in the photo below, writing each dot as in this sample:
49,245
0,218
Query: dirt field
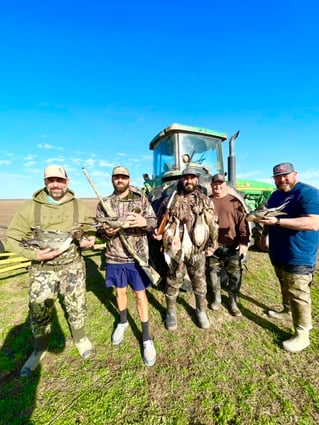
9,206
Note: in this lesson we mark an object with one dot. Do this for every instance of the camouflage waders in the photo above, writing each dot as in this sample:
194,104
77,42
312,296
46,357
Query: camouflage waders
195,267
225,260
46,284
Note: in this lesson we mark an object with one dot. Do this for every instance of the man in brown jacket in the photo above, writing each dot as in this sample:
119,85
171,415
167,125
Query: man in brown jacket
233,241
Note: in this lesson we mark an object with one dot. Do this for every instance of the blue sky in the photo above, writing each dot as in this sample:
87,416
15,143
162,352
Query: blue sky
91,83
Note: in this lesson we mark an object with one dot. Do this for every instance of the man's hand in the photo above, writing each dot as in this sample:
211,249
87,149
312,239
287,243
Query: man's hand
110,231
47,254
243,250
87,242
156,236
209,251
269,221
136,220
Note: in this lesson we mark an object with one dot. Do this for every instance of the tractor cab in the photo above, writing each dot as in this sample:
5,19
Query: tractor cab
180,146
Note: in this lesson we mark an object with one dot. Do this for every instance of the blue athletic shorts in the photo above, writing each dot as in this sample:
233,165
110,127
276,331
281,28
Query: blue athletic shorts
122,275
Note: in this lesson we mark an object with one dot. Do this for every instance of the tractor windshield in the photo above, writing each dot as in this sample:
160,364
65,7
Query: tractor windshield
179,150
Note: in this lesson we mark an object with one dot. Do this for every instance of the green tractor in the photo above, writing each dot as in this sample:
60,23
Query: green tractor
256,192
179,146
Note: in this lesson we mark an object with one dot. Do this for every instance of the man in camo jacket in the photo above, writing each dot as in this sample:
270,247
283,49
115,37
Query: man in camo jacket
49,222
129,204
190,229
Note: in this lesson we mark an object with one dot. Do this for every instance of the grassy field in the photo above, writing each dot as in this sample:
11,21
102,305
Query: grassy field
233,373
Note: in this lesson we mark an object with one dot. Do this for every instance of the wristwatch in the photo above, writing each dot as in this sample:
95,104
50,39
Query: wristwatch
277,221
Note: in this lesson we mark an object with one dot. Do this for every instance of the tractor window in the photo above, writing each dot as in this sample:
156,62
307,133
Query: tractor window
164,156
201,151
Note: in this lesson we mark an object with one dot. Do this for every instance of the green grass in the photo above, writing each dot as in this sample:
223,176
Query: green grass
234,373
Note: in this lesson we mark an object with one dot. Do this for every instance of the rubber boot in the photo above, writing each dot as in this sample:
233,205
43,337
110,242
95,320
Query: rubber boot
82,342
41,344
214,284
171,318
233,305
201,315
298,342
285,314
215,305
301,316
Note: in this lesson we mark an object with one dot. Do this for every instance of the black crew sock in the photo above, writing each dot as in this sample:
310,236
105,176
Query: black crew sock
145,331
123,316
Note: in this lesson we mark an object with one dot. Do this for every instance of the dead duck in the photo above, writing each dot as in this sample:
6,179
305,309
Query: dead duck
262,211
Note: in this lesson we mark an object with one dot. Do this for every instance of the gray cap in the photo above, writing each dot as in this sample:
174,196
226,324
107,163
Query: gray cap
218,178
189,171
283,168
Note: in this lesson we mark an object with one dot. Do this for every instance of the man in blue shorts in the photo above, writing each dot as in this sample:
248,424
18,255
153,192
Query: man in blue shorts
129,204
293,249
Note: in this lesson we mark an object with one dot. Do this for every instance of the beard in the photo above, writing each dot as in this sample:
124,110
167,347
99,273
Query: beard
121,187
285,187
57,194
189,188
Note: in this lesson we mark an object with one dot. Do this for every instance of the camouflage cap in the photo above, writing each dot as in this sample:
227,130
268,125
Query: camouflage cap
120,171
283,168
55,171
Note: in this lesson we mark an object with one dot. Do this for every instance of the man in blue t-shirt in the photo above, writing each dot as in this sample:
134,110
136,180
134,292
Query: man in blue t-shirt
293,249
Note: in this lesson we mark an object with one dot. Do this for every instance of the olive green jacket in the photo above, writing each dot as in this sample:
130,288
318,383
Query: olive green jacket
38,212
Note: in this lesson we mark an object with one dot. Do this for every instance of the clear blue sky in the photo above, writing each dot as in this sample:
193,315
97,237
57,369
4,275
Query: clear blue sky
90,83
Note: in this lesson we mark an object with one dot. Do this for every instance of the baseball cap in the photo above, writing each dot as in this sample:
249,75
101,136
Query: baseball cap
218,178
283,168
120,171
55,171
189,171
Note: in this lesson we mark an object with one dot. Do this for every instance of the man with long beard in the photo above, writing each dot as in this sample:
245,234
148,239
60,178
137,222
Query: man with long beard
191,211
293,249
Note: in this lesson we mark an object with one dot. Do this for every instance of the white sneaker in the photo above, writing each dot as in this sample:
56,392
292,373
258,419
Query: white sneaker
149,353
118,333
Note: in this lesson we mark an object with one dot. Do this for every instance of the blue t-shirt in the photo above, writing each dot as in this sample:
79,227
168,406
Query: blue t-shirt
296,247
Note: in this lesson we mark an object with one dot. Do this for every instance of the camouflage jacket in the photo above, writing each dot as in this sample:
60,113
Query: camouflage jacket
136,237
52,218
